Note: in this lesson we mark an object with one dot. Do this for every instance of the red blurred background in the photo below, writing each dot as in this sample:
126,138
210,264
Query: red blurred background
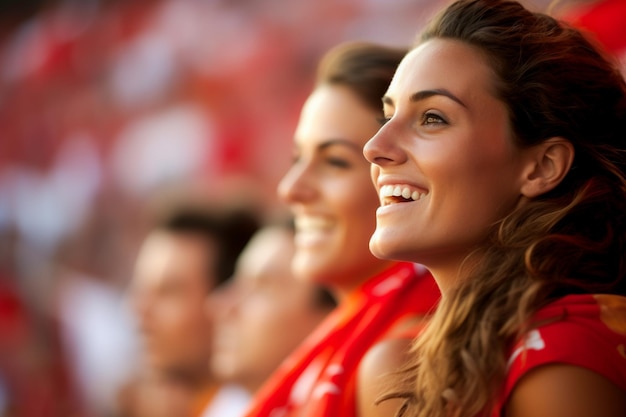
109,109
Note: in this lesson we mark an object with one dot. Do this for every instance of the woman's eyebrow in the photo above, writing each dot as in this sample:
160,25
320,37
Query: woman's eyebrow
422,95
340,142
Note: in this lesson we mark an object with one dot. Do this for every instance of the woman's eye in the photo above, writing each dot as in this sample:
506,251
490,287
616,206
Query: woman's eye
432,118
338,162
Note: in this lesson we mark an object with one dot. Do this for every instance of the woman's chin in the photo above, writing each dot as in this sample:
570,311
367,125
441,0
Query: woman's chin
383,248
308,268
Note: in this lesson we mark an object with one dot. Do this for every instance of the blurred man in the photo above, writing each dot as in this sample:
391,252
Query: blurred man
264,313
179,263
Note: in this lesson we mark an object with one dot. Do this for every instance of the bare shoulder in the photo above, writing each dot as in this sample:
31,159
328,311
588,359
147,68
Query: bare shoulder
562,390
375,376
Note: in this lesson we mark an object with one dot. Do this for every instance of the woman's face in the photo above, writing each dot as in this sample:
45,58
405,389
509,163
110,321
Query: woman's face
329,191
444,164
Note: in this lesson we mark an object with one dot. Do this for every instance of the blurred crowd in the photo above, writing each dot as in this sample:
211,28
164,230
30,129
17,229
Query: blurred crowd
112,109
108,111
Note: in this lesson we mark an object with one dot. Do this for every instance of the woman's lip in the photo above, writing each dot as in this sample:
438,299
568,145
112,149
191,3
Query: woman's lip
386,209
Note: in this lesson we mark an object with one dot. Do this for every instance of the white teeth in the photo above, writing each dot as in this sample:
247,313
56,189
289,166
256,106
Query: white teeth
400,191
307,223
386,191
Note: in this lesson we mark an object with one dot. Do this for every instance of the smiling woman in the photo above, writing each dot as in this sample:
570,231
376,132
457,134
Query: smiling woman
519,163
329,191
338,371
434,134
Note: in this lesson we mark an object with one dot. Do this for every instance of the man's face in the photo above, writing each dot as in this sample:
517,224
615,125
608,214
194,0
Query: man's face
264,313
169,288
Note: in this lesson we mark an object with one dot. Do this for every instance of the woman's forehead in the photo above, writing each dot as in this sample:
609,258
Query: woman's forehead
439,64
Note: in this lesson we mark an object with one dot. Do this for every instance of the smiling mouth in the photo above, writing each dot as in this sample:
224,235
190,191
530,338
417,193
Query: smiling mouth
308,224
391,194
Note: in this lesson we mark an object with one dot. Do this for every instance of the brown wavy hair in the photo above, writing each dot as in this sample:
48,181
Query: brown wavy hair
555,83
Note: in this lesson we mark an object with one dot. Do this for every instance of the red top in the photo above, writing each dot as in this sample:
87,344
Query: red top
319,378
581,330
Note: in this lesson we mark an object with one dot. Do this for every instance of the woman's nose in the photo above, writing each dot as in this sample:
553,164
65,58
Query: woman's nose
296,186
383,148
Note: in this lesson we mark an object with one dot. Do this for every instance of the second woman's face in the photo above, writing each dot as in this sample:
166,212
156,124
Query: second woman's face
445,164
329,190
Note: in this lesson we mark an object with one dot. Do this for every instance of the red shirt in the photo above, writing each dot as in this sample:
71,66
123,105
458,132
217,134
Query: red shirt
588,331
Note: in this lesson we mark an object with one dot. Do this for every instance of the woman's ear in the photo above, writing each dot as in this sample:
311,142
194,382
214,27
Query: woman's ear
549,163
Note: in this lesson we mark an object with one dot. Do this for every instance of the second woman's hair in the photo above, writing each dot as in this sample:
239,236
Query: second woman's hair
364,68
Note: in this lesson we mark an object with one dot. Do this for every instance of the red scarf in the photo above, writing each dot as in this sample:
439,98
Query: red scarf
319,378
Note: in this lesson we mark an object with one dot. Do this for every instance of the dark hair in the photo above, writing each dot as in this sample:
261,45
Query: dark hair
365,68
554,83
228,230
